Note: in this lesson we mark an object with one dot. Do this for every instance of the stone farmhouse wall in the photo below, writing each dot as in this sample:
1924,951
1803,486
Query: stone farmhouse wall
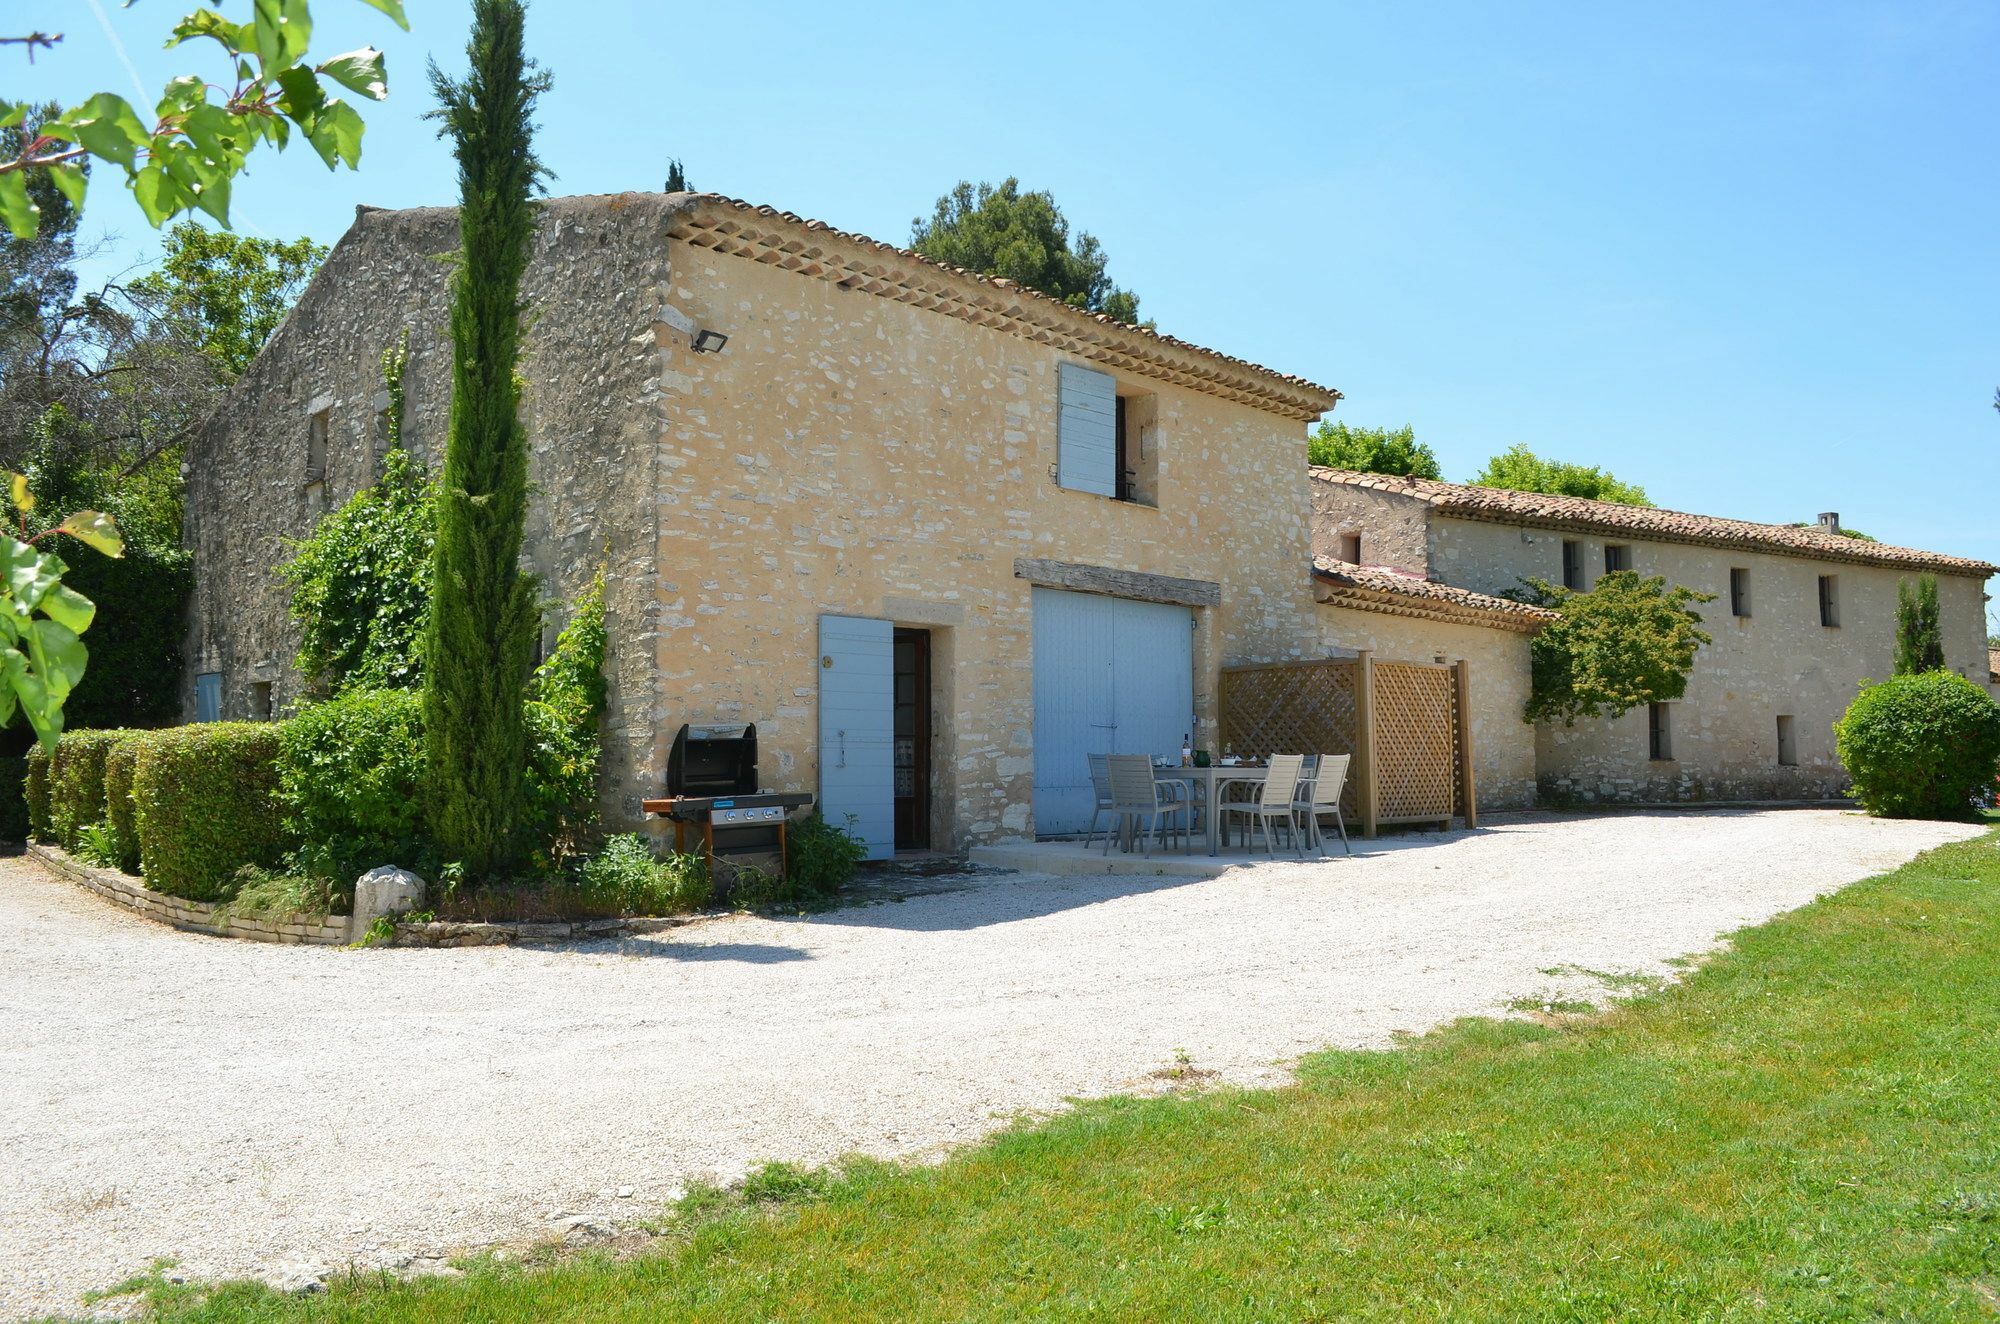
855,455
845,453
1394,530
1503,742
593,403
1779,660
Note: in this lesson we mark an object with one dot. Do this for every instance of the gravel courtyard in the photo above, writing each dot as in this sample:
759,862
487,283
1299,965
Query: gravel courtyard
252,1109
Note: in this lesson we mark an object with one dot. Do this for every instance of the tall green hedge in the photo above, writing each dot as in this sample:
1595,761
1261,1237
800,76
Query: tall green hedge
206,804
76,782
351,781
120,763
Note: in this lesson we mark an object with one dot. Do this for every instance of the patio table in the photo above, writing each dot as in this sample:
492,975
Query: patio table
1214,781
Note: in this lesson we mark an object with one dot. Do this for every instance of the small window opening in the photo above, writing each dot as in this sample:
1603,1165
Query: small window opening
316,433
1350,548
1138,461
1739,591
260,700
1659,732
1617,556
1829,601
1572,564
1788,750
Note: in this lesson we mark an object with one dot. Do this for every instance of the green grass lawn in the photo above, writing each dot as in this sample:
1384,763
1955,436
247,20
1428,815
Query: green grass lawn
1807,1128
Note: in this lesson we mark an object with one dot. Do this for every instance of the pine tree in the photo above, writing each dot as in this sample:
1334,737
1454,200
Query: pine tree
1919,642
479,641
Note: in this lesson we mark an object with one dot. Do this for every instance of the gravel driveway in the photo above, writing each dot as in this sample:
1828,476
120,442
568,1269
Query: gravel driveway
247,1108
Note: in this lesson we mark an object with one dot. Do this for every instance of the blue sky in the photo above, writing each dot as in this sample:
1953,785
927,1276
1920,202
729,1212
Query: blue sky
1742,255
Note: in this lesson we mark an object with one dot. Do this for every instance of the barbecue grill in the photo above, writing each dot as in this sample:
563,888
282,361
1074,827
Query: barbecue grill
712,789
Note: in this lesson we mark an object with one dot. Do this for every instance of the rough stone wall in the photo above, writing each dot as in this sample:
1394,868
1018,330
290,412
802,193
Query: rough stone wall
1394,527
853,455
1503,743
1778,660
593,402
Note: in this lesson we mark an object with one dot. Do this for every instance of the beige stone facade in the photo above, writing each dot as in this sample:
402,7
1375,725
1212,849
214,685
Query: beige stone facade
1722,740
876,439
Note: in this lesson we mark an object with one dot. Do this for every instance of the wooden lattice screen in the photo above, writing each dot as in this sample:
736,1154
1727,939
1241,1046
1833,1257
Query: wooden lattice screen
1412,764
1415,772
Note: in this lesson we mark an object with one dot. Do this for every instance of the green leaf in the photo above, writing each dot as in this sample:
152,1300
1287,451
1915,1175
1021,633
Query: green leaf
234,37
336,132
69,607
20,213
393,8
94,528
71,180
17,484
29,574
44,716
106,126
281,30
300,96
156,193
62,656
11,114
359,71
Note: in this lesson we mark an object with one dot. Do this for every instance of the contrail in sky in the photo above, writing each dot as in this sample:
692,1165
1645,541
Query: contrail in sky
145,103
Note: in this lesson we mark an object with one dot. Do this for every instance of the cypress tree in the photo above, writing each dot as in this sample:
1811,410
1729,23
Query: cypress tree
479,640
1919,642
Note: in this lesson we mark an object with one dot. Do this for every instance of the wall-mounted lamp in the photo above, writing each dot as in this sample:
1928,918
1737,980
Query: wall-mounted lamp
709,342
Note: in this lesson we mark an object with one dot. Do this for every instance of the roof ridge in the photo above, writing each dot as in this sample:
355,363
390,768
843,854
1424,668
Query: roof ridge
1474,501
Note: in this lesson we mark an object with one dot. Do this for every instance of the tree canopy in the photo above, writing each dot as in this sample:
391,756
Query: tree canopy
1521,470
1372,450
1627,641
202,131
1022,237
229,292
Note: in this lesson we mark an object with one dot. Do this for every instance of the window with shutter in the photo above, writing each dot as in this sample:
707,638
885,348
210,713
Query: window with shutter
1087,431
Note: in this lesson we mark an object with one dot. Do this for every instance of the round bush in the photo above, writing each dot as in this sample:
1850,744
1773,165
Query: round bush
1922,746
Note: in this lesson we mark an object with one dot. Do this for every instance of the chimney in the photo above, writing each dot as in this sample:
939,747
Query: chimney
1829,522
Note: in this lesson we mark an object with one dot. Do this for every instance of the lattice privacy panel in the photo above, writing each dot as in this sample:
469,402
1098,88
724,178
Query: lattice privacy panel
1300,708
1415,742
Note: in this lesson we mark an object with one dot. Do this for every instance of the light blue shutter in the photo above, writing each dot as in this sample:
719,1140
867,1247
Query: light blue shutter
1087,432
857,722
208,697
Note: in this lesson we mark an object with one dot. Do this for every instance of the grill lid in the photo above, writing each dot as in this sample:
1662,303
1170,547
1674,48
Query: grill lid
713,760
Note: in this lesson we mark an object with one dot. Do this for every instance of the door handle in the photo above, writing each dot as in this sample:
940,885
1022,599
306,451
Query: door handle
843,751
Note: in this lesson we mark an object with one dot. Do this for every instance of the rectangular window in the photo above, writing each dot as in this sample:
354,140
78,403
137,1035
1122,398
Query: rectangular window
208,697
260,700
316,432
1788,750
1350,548
1573,564
1617,556
1829,600
1739,592
1128,453
1659,731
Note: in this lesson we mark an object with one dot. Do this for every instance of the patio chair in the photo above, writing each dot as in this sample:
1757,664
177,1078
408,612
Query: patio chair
1139,801
1100,785
1274,804
1320,796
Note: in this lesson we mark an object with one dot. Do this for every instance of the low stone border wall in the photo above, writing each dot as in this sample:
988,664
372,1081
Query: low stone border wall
196,916
123,889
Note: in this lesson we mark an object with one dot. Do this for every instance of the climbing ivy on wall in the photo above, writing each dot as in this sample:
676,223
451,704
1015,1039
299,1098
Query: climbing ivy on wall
361,583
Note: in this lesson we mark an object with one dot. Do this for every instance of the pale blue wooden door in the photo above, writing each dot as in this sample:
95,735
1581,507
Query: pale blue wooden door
1111,677
857,720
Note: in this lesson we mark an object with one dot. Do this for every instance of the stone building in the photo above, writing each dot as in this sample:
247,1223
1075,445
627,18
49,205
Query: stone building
1802,615
934,534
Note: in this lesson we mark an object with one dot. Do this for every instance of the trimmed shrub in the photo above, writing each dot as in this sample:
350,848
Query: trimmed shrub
820,859
1921,746
13,799
76,783
35,790
120,814
206,802
351,784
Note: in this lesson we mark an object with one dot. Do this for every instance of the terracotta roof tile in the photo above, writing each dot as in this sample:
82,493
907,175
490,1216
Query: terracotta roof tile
1381,580
1576,513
